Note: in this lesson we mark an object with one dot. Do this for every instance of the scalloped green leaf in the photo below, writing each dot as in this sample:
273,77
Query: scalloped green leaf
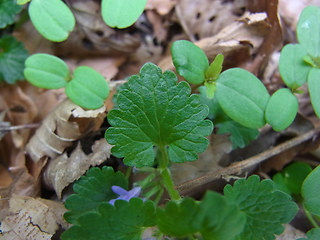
314,89
310,191
177,218
156,111
189,61
12,58
46,71
87,88
282,109
121,14
92,190
290,179
242,97
308,30
265,207
219,218
293,69
124,221
8,10
52,18
313,234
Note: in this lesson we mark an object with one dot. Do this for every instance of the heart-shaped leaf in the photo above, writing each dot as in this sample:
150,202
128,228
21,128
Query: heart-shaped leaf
308,30
282,109
311,192
293,69
314,89
121,13
190,61
242,97
88,88
46,71
52,18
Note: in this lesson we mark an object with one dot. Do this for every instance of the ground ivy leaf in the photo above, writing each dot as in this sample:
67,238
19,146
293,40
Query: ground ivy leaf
314,89
125,220
310,191
12,58
266,208
92,190
219,218
240,135
177,218
8,11
154,111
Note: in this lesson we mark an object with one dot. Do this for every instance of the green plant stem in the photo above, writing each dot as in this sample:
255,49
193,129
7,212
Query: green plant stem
311,219
163,160
128,172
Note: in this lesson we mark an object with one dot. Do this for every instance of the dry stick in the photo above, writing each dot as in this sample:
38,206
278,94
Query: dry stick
238,167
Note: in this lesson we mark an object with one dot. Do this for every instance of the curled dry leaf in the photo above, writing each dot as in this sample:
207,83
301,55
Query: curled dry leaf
162,7
32,219
67,123
64,170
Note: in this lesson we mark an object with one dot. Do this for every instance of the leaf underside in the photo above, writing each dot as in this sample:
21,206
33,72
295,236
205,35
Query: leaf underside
154,111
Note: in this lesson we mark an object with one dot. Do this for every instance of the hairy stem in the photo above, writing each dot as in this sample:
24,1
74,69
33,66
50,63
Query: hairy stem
163,160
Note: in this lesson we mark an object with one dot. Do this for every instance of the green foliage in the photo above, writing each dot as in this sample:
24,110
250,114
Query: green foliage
123,13
311,192
282,109
8,10
308,31
155,111
124,221
12,57
46,71
290,179
265,207
212,75
314,89
314,234
87,88
91,191
52,18
190,61
242,97
294,71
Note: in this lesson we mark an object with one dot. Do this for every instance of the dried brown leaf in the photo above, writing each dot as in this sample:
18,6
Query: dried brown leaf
32,219
67,123
64,170
163,7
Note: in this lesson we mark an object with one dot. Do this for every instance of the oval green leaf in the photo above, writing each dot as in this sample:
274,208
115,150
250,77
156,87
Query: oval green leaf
314,89
293,69
190,61
311,192
46,71
282,109
88,88
242,97
121,13
308,30
52,18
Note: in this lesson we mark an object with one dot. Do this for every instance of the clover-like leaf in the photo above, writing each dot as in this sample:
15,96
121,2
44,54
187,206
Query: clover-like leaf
46,71
12,58
308,30
242,97
310,191
8,11
314,89
177,218
92,190
124,221
219,218
190,61
282,109
88,88
266,208
52,18
121,14
156,111
293,69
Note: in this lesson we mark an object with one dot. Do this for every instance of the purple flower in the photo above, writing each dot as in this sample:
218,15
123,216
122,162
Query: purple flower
124,194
